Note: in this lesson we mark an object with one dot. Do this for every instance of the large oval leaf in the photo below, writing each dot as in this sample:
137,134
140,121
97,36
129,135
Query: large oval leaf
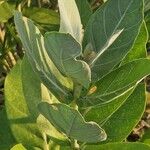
63,50
33,43
114,16
71,122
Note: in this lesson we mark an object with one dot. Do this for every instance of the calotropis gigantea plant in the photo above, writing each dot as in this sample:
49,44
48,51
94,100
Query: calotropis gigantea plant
80,88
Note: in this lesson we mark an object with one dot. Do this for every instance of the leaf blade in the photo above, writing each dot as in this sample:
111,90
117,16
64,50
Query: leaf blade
63,50
70,122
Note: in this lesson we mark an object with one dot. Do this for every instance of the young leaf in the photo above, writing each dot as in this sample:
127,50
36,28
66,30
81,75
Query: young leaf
118,80
113,17
70,21
71,122
33,43
120,124
64,50
119,146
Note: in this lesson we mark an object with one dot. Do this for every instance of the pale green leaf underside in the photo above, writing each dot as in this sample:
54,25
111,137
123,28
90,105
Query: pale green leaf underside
70,21
118,81
33,43
119,146
70,122
63,50
114,15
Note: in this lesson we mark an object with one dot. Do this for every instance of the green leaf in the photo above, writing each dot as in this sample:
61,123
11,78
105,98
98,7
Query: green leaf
84,10
21,147
33,43
18,147
21,107
112,18
71,122
120,124
42,15
6,138
21,104
70,21
64,50
146,137
117,82
119,146
5,11
139,48
100,113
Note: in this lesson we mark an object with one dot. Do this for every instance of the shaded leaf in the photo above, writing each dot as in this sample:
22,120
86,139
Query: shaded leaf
6,137
71,122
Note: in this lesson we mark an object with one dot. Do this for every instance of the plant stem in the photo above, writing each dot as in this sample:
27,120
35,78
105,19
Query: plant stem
77,92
